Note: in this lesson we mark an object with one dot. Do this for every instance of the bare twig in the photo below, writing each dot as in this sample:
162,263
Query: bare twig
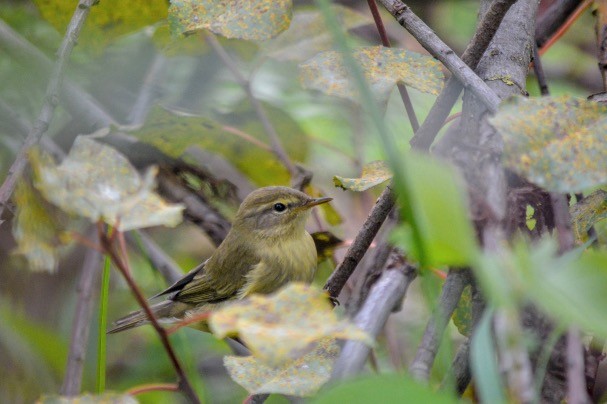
159,259
149,92
146,388
402,89
565,26
87,286
245,83
385,295
454,285
51,100
437,48
552,18
361,243
108,245
576,381
485,32
539,71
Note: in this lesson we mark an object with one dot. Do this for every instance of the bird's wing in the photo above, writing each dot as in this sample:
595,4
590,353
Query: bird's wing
181,283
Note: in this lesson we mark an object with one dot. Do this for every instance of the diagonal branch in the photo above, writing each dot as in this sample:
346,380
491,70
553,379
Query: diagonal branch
50,102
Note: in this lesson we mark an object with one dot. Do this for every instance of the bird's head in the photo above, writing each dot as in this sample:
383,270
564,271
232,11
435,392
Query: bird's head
275,211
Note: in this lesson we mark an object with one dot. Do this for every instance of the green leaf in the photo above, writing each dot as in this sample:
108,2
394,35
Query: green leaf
301,377
556,143
308,33
587,212
440,210
462,316
383,69
105,398
374,173
381,389
279,328
97,182
483,363
37,228
107,21
246,147
255,20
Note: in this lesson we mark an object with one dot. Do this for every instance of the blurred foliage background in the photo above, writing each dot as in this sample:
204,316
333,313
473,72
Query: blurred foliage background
118,54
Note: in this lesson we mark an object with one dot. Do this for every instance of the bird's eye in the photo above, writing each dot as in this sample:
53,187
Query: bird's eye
279,207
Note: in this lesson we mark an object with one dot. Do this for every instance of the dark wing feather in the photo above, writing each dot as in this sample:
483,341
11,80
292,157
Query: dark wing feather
181,283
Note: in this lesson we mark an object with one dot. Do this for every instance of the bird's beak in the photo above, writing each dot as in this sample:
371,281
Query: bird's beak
317,201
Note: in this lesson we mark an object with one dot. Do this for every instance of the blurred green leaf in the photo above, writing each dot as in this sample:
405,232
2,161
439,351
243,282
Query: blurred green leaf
373,174
105,398
587,212
557,143
383,69
462,316
381,389
308,33
440,209
301,377
107,20
280,327
483,363
255,20
97,182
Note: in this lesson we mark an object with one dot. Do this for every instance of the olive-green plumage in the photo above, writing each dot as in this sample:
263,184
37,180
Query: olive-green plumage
267,247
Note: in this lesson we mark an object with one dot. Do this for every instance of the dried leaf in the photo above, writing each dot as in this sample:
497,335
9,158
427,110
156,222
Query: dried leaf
255,20
301,377
374,173
308,33
587,212
558,143
383,69
281,327
97,182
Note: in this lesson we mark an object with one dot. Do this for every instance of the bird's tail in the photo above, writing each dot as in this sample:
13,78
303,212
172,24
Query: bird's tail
137,318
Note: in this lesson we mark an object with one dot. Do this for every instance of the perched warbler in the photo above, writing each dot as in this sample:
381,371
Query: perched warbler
267,247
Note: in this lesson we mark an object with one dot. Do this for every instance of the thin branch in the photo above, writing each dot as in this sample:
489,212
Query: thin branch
361,243
149,92
50,102
487,28
454,285
601,39
539,72
437,48
562,221
566,25
158,258
552,18
89,279
402,89
146,388
122,266
245,83
385,295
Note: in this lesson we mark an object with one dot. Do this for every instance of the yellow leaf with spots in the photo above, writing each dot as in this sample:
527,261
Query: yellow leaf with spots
282,327
374,173
587,212
383,69
558,143
301,377
255,20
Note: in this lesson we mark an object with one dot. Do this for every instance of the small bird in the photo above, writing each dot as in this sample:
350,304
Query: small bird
267,247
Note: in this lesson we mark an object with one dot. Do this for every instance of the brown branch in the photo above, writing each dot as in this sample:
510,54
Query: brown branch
122,266
552,18
146,388
50,102
487,28
539,71
565,26
361,243
87,287
454,285
402,89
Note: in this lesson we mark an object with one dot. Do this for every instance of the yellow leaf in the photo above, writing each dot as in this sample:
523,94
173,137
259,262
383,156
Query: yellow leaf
374,173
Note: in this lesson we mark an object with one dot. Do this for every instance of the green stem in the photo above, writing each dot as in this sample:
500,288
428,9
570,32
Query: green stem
101,341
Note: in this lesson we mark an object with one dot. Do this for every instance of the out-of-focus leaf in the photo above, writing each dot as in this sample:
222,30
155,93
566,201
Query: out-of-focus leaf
308,33
556,143
325,243
37,228
280,327
483,363
462,316
107,20
97,182
440,211
382,389
255,20
587,212
301,377
383,69
173,134
105,398
374,173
